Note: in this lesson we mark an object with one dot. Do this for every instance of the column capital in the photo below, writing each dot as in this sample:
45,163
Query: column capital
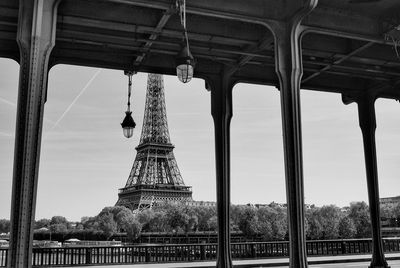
367,96
366,109
291,25
288,35
223,79
37,23
221,87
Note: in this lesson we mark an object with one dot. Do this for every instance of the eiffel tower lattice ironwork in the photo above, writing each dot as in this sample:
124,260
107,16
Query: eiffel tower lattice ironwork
155,177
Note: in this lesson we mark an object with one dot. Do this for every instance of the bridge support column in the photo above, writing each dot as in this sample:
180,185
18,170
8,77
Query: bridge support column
36,38
367,120
289,70
221,110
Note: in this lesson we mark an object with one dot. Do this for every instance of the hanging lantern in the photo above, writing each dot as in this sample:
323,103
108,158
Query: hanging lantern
185,65
128,124
185,61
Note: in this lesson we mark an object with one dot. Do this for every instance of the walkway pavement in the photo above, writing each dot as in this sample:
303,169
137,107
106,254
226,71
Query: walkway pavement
354,261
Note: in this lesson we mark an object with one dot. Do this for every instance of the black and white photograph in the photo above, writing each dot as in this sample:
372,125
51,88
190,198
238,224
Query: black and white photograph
183,133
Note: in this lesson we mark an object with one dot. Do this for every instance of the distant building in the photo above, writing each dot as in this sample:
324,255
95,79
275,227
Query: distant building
390,226
390,200
272,204
193,203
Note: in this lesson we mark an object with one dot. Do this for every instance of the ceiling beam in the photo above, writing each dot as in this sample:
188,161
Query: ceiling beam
266,43
135,28
216,58
356,71
157,31
342,59
108,40
338,61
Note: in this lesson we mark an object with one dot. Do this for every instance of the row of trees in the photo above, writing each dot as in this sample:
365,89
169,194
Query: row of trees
331,222
266,222
170,218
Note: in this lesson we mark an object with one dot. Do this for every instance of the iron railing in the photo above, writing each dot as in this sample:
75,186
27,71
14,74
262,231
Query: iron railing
3,256
70,256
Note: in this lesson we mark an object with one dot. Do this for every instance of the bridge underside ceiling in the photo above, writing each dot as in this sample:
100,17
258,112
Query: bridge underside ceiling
344,47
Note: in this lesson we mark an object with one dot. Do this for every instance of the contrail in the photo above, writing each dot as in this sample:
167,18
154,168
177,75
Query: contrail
15,105
76,98
6,134
8,102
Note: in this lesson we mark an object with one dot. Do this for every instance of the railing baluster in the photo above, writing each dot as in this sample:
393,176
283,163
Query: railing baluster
112,255
106,255
41,259
176,253
88,255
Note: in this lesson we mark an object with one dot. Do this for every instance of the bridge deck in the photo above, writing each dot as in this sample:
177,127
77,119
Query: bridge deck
355,261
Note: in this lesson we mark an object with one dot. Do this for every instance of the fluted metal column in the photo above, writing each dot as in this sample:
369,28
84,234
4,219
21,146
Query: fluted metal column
289,70
221,110
36,37
367,120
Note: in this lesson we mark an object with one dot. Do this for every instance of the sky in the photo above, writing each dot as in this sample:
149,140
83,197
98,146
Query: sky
85,158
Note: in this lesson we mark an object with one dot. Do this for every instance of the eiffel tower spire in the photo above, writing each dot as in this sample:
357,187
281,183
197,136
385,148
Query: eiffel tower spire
155,176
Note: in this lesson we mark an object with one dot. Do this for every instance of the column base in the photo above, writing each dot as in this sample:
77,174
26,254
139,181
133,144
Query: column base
379,263
224,265
379,266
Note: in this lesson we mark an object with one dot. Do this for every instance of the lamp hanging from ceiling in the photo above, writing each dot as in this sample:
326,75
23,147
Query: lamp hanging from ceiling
184,62
128,124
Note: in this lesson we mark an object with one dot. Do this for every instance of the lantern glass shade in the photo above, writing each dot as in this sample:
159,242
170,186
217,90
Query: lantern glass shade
185,65
128,125
128,131
184,72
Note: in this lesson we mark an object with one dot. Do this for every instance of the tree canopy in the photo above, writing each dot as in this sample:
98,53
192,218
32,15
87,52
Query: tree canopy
267,222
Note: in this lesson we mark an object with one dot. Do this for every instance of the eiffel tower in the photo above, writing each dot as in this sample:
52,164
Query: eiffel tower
155,177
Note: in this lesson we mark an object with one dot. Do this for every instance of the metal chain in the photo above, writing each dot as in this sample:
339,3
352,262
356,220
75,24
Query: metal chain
129,91
181,4
182,13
